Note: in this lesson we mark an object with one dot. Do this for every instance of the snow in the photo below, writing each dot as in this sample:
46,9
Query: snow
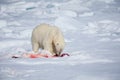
68,13
92,34
3,23
66,23
86,14
15,23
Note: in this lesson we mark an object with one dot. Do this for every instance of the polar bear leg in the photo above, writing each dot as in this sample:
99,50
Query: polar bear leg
35,46
49,48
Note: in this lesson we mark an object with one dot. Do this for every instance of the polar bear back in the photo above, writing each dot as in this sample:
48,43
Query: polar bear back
43,31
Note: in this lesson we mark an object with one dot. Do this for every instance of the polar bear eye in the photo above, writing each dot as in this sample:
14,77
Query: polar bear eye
57,44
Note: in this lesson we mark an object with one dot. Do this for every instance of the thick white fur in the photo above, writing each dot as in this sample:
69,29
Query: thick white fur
48,38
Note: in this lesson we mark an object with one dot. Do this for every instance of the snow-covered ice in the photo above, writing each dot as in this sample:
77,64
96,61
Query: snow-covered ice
92,34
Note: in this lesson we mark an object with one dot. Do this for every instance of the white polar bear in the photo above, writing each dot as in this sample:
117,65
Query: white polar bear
48,38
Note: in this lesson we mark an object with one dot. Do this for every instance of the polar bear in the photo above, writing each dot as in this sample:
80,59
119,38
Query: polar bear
48,38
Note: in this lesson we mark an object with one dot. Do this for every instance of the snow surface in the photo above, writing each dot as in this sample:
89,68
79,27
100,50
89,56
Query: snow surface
92,34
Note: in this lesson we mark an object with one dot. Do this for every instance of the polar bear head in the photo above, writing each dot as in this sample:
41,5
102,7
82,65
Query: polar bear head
58,48
58,43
